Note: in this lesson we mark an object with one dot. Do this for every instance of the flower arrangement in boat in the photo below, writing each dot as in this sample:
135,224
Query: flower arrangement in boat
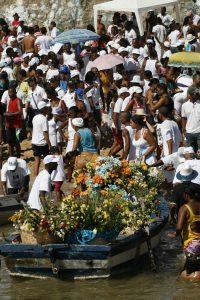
110,195
47,221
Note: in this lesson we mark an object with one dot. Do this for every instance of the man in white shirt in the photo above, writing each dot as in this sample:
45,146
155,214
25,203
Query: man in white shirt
44,41
166,18
171,136
35,95
15,176
191,118
116,124
53,29
70,97
160,33
40,135
41,188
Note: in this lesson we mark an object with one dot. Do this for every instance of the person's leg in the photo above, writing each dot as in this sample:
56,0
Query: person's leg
116,149
198,141
191,140
36,165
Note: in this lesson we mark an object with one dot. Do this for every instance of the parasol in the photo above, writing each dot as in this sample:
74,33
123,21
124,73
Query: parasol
185,59
76,36
106,62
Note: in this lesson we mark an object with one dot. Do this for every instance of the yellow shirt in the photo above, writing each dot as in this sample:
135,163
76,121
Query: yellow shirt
188,234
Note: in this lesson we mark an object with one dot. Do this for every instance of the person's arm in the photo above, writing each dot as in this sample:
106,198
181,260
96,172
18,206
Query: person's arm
148,136
76,141
127,141
24,185
115,120
182,218
184,122
4,187
46,137
157,164
157,105
129,106
42,196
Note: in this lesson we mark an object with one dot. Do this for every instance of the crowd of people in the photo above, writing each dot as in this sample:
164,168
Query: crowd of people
141,110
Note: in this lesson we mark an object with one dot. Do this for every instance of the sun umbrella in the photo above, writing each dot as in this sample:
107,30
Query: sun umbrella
106,62
185,59
76,36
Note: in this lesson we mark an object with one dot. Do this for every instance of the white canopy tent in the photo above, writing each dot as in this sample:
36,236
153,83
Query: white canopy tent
135,6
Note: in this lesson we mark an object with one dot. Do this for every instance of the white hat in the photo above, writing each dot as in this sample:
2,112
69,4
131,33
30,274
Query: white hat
140,112
88,43
116,46
78,122
167,44
72,63
132,90
122,49
138,90
190,37
117,76
43,52
102,52
74,73
42,104
188,150
136,51
12,163
150,41
186,173
50,159
57,111
136,79
123,90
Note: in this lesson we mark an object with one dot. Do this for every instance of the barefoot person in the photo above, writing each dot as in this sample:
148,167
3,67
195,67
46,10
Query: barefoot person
188,226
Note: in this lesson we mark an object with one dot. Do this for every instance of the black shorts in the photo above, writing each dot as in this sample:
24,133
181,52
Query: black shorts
192,263
40,151
11,136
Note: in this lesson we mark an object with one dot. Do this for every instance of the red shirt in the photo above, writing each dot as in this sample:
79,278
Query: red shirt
13,121
15,23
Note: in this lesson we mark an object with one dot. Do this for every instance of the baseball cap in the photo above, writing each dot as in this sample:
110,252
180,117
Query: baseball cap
74,73
12,163
50,159
188,150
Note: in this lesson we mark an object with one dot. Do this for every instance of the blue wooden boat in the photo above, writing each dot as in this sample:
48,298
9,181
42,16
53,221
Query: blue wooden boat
82,261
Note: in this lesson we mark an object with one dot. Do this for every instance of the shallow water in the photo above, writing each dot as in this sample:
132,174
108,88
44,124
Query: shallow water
164,284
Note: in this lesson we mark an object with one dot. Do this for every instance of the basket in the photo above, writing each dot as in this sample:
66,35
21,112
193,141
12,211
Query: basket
36,238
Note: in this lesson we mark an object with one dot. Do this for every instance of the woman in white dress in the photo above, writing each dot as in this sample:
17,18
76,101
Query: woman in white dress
127,135
143,141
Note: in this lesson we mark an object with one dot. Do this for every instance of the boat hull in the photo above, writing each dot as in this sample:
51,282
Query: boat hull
8,206
80,261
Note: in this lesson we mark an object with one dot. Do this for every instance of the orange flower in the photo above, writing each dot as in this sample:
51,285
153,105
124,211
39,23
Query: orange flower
76,192
126,171
84,193
97,179
81,178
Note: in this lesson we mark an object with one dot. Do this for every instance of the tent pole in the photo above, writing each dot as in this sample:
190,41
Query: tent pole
95,18
139,22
